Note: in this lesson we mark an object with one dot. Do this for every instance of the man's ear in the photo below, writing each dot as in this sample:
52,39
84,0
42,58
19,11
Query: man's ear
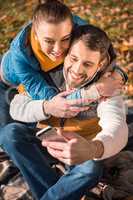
103,63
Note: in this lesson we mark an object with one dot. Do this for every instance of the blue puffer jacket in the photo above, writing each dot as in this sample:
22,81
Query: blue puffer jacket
20,66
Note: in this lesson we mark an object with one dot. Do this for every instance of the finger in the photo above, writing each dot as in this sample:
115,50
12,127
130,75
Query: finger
59,131
70,115
55,145
55,153
54,139
52,153
120,87
82,101
65,161
70,135
66,93
79,109
116,92
75,111
59,154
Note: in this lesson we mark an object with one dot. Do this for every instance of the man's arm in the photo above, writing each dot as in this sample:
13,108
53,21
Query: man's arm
114,134
108,142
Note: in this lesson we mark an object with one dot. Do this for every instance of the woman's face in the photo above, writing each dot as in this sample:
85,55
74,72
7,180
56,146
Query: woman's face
80,64
54,39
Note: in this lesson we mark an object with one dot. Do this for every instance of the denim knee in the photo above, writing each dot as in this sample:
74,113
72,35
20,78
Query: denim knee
11,134
90,170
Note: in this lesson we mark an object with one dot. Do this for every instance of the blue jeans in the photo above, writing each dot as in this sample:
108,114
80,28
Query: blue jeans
4,103
5,117
6,95
34,162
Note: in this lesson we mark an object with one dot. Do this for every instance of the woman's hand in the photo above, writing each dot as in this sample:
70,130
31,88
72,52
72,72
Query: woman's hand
110,84
58,106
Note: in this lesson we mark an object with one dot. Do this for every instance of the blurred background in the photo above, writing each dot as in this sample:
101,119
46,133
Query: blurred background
113,16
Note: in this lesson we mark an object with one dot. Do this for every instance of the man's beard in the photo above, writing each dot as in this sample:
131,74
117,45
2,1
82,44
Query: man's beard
71,84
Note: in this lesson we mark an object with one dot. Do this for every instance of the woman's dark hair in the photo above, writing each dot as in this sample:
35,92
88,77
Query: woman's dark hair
52,11
95,39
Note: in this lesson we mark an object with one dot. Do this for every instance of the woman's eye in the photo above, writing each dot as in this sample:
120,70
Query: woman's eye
66,39
49,42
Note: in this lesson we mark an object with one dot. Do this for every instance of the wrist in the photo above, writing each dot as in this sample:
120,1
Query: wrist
99,87
90,92
46,108
98,149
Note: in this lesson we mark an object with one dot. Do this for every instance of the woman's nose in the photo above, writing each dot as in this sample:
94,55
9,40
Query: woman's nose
57,47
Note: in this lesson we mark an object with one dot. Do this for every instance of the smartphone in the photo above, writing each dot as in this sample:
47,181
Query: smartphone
46,132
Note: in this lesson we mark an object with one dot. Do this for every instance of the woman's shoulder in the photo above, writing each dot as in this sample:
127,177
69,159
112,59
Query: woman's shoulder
78,20
21,39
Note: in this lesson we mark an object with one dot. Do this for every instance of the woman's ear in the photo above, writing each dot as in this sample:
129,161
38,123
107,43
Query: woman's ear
34,31
35,37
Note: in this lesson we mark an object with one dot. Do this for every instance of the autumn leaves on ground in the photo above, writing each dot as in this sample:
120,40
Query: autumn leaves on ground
114,16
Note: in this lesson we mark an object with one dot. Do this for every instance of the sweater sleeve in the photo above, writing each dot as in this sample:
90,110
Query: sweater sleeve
24,109
114,134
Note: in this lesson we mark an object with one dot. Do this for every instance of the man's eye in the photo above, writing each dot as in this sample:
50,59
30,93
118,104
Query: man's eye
73,59
87,65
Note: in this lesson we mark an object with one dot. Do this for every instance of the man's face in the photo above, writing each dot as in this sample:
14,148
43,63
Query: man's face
54,39
80,64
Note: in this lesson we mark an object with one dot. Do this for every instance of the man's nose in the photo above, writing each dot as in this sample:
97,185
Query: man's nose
78,68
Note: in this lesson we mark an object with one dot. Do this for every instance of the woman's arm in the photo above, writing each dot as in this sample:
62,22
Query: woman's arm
23,108
33,81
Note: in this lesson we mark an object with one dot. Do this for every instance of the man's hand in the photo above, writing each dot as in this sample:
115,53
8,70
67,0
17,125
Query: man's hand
73,150
109,84
58,106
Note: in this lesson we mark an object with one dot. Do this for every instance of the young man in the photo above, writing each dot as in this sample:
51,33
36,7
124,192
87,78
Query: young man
84,140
